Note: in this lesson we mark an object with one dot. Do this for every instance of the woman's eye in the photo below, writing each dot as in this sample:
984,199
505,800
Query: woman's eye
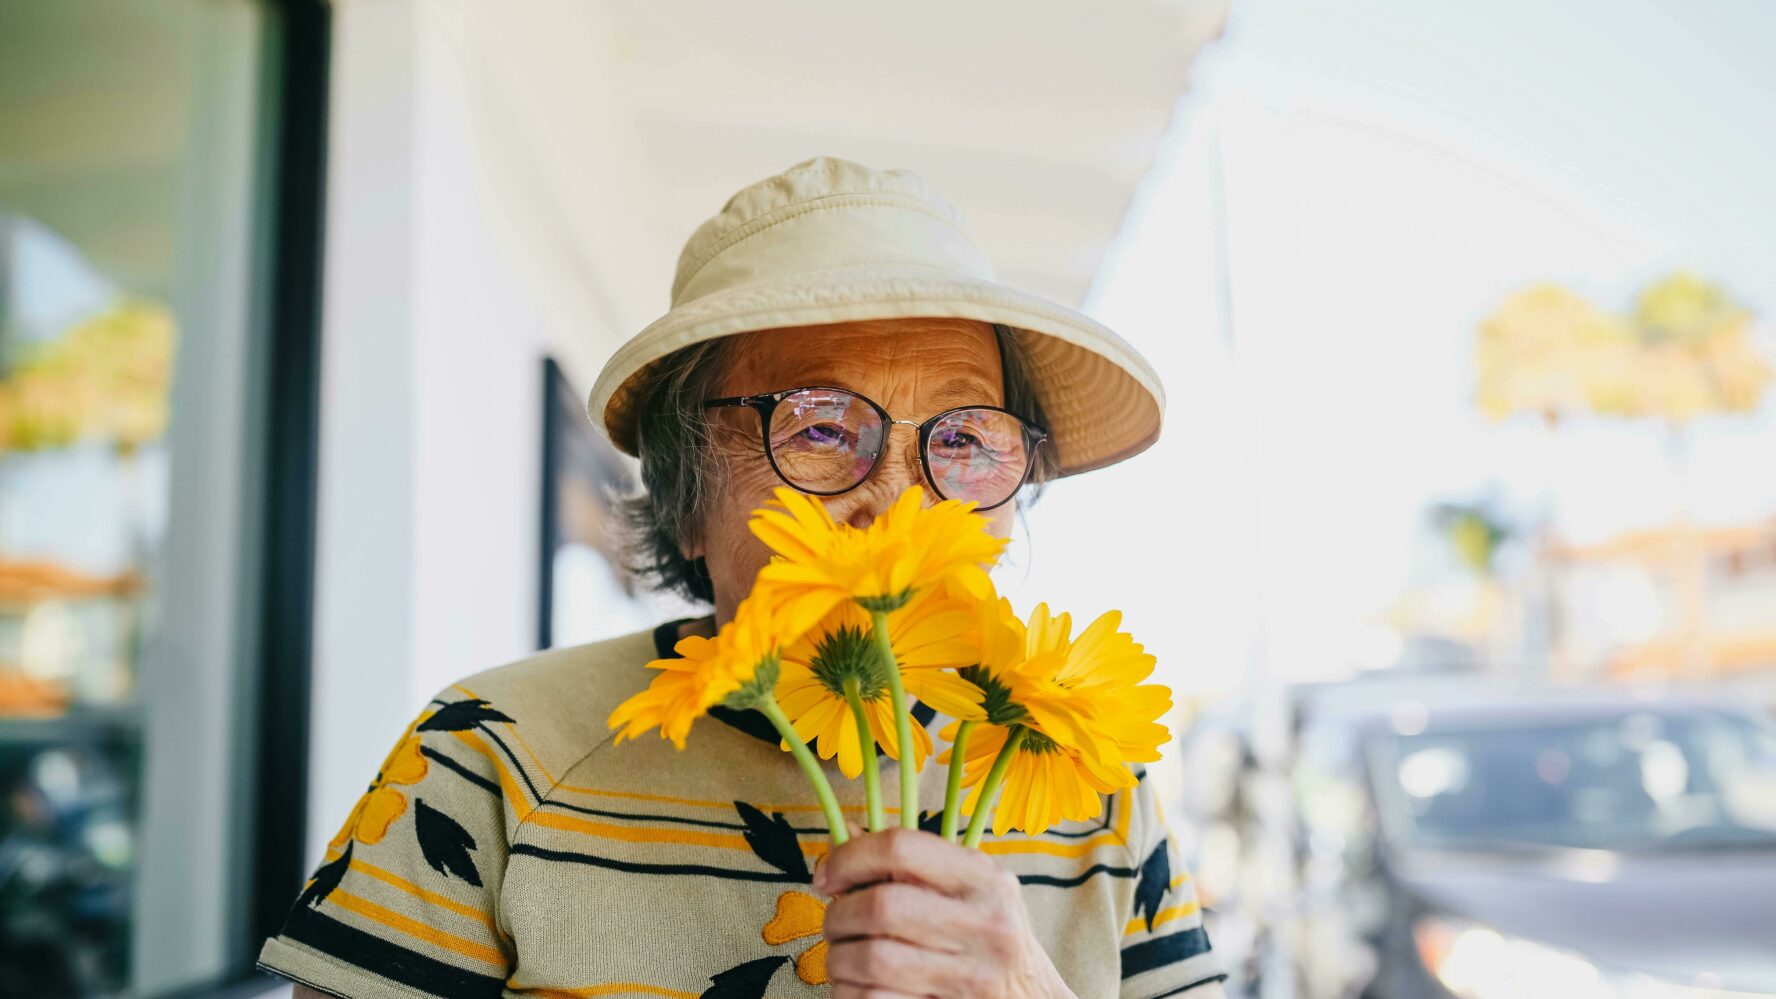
957,440
823,434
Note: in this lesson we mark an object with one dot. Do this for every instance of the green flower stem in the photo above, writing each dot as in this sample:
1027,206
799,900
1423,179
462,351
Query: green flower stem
989,795
835,819
866,741
903,724
953,790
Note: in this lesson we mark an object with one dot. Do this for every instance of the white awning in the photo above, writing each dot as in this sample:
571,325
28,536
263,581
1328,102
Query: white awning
606,132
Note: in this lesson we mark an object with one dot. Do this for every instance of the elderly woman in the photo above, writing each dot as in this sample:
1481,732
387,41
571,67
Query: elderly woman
507,848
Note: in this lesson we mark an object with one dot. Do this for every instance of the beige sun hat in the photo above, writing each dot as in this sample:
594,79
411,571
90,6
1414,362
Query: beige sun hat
829,240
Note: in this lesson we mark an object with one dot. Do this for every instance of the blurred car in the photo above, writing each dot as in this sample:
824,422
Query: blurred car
1539,844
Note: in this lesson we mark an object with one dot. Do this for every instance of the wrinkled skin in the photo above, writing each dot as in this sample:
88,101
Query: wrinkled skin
915,915
914,368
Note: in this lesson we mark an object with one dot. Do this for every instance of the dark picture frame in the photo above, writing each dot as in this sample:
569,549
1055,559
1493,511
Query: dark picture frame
582,473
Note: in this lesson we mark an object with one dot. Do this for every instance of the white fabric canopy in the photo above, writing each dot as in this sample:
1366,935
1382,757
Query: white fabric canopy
606,132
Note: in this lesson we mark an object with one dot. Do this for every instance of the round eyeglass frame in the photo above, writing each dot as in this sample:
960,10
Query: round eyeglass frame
765,403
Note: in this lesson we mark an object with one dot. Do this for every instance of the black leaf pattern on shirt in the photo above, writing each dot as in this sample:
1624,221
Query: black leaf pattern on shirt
327,878
774,840
745,981
460,715
931,822
1156,877
444,843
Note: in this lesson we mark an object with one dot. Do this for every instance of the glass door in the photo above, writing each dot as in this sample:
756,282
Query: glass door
133,368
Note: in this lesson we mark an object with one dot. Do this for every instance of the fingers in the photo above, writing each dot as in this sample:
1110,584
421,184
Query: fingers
843,991
908,855
911,913
915,915
893,967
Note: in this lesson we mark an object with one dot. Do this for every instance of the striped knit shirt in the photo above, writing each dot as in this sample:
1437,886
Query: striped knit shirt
507,848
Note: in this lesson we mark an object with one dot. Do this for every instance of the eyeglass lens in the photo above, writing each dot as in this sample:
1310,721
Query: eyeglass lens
826,441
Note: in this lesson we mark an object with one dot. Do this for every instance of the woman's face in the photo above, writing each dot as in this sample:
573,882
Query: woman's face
913,368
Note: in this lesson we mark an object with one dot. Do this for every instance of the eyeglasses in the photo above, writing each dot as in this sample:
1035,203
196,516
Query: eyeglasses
826,441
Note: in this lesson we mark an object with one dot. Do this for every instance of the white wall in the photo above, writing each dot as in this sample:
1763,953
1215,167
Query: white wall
363,642
430,406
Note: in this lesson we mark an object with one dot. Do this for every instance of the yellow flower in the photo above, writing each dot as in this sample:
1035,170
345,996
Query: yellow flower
1046,782
380,806
1086,713
929,635
821,563
1094,699
732,668
1016,670
800,916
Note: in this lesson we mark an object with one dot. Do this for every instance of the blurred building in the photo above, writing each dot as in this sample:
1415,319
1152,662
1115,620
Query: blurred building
1679,602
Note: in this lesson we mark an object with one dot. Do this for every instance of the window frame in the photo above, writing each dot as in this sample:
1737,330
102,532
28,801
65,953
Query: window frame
287,324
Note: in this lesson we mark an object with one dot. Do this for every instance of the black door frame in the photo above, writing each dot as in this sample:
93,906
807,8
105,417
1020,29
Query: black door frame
299,40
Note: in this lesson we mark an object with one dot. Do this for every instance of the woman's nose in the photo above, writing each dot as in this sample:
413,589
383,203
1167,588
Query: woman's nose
898,469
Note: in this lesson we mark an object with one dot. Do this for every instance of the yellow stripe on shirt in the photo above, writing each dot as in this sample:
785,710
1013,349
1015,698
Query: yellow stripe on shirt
726,806
1052,849
1161,917
813,848
395,880
416,929
512,729
650,834
605,989
513,793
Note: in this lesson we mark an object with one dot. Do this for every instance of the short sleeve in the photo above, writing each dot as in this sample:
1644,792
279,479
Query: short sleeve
1165,949
403,902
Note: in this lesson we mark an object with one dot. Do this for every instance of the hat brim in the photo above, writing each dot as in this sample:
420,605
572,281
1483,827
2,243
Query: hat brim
1102,400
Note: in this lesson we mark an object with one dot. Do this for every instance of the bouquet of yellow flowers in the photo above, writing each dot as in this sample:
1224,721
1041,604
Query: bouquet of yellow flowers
845,623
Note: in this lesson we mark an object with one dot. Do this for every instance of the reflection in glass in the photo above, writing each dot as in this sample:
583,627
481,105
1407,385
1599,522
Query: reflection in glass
128,147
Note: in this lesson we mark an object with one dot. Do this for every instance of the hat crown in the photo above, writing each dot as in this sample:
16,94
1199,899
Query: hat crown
756,215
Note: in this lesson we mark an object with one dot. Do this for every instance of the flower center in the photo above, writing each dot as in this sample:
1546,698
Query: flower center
1036,742
885,603
849,653
1000,708
753,692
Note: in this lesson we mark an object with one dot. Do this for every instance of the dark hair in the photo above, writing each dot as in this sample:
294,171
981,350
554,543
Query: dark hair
675,444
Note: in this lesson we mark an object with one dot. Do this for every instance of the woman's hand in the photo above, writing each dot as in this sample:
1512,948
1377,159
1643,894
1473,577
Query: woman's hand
915,915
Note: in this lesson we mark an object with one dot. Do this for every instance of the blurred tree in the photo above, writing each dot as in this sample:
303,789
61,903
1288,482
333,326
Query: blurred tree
106,378
1535,353
1690,352
1474,530
1683,350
